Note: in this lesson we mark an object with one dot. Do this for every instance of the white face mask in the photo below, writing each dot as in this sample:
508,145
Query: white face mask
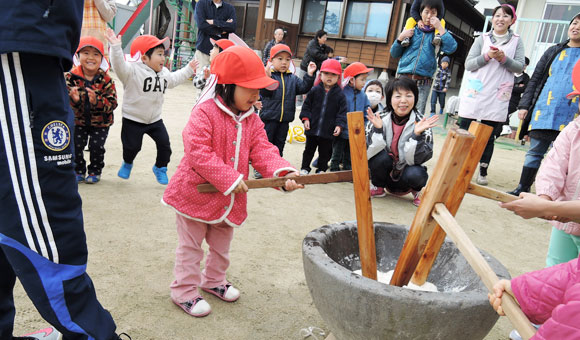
374,98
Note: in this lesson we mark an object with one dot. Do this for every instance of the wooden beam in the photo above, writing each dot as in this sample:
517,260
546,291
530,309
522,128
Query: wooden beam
482,268
260,25
277,182
454,151
362,194
481,133
492,194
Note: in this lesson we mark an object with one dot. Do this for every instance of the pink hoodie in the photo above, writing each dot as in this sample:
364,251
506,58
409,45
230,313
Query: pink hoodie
559,175
218,148
551,297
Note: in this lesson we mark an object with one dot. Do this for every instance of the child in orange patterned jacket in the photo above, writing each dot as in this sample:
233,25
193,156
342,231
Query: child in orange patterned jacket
93,98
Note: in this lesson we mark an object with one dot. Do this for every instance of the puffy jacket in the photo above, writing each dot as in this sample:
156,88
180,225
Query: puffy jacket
324,110
48,27
355,101
419,57
219,146
551,297
413,149
536,84
87,114
280,104
314,52
559,174
206,10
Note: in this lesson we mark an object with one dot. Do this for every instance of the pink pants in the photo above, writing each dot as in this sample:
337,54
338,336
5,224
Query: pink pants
187,271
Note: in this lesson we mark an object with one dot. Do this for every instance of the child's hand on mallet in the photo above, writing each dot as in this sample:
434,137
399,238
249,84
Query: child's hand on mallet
112,38
92,96
291,184
498,290
193,64
311,68
74,94
337,130
241,188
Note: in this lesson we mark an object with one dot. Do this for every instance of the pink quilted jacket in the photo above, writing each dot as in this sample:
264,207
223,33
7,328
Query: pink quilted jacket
559,175
551,297
218,148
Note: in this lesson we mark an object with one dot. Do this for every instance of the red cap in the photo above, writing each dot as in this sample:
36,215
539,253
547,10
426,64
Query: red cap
279,48
575,81
92,42
355,69
241,66
331,66
146,42
222,43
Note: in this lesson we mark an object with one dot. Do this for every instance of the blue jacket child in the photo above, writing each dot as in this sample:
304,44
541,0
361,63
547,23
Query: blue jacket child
279,106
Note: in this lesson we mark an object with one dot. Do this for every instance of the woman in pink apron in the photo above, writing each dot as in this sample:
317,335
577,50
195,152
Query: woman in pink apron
490,65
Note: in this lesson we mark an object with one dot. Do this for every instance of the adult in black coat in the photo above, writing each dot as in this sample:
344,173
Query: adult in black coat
316,51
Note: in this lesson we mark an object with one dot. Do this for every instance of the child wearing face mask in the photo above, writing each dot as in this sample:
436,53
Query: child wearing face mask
222,136
374,91
399,142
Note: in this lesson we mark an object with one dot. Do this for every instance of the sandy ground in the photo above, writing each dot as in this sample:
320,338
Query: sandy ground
131,238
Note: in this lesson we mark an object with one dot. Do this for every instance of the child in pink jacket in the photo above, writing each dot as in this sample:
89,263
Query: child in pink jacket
222,136
559,180
550,297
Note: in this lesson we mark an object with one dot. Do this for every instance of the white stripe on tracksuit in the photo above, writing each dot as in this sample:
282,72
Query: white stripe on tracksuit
23,148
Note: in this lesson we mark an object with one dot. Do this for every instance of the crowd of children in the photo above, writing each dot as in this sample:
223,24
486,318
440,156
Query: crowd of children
224,135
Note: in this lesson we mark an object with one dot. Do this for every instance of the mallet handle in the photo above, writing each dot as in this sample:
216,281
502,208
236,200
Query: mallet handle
493,194
322,178
482,268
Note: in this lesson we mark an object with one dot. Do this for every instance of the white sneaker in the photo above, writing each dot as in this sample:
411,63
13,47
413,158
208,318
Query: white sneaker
481,180
197,307
225,292
304,172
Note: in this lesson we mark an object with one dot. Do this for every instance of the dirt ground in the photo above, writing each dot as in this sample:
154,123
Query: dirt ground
132,238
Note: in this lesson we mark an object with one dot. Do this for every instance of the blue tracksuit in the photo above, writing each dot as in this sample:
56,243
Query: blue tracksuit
42,241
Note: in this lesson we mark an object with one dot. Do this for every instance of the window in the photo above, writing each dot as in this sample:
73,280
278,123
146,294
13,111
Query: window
363,19
367,19
556,32
318,12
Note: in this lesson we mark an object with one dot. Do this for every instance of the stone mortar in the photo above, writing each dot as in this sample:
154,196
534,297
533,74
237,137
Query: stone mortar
356,307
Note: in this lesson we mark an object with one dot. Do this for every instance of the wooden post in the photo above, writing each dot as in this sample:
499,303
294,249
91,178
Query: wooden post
481,133
482,268
362,194
455,150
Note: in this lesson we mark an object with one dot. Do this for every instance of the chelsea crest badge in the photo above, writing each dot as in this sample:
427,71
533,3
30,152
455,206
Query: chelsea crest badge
56,135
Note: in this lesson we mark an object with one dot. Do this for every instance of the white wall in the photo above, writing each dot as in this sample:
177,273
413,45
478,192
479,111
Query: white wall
289,11
269,11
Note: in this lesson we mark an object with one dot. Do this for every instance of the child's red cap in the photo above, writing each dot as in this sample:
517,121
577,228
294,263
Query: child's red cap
279,48
92,42
355,69
146,42
222,43
331,66
241,66
575,81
